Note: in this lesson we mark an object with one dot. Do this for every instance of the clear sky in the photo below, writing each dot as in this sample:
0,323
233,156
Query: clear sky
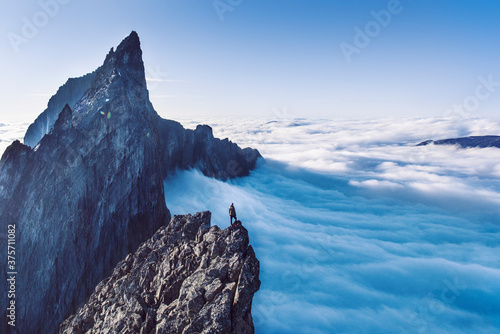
264,58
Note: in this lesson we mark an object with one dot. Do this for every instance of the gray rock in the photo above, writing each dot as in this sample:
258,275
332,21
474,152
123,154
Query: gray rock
467,142
190,297
69,93
92,190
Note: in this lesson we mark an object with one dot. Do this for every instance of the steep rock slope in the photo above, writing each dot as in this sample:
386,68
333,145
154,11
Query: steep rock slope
69,93
92,189
187,278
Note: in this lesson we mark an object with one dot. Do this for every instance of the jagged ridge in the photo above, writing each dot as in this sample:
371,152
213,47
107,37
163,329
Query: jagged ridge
92,190
69,93
187,278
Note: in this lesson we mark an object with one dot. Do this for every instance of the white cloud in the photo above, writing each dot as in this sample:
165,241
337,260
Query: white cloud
357,229
349,263
360,231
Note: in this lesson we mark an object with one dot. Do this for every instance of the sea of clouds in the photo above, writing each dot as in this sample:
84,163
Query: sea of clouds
357,229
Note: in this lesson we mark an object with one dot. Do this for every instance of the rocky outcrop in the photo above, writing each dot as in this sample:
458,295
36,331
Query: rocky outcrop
92,189
69,93
198,148
467,142
188,278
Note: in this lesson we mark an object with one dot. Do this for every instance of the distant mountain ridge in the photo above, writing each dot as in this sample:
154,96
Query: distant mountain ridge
92,189
467,142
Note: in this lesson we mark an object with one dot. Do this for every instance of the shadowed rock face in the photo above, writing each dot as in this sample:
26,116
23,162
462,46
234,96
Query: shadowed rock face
92,189
69,94
467,142
187,278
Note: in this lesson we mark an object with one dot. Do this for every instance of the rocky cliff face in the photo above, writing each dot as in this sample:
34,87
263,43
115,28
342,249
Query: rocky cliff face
92,189
467,142
188,278
69,93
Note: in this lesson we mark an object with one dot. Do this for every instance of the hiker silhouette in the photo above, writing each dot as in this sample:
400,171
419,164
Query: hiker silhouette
232,214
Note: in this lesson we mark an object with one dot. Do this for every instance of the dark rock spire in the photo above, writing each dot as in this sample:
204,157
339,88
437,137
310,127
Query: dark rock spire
92,190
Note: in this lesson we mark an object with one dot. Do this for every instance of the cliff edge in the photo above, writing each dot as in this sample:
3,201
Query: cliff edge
187,278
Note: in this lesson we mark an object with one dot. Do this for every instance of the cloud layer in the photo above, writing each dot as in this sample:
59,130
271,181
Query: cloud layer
358,230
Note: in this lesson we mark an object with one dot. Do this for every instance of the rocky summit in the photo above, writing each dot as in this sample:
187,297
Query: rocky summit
187,278
90,189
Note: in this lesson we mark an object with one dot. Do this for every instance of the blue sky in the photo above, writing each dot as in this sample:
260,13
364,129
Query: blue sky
265,58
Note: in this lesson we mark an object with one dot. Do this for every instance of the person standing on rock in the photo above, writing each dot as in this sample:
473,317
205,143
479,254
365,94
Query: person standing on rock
232,214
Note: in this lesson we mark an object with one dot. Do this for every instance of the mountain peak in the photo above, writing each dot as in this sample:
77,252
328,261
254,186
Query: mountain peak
128,57
131,42
119,87
98,176
64,120
123,62
131,45
128,44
